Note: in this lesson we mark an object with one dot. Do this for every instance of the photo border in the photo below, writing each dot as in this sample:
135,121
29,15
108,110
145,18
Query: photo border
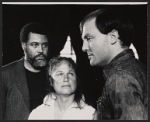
148,31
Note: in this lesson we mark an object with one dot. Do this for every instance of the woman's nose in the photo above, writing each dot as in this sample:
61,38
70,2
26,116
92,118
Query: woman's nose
66,79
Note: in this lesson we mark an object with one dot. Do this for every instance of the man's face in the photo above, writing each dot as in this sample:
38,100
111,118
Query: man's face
95,44
36,50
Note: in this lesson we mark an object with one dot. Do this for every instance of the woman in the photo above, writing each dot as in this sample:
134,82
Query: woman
65,101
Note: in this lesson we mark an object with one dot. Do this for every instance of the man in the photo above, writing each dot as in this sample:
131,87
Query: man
107,36
25,81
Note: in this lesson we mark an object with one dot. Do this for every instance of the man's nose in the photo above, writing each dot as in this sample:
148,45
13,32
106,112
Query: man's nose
84,46
40,48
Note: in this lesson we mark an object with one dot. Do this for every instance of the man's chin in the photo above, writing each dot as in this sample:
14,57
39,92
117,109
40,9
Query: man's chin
39,64
92,63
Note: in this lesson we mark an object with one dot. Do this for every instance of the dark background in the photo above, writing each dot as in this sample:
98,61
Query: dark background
63,20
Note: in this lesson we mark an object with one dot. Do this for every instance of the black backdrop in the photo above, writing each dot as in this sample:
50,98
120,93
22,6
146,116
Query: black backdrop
63,20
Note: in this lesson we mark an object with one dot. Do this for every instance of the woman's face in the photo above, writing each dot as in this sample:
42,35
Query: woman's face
64,79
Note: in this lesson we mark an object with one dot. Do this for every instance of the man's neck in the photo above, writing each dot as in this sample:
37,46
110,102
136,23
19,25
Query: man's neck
29,67
116,51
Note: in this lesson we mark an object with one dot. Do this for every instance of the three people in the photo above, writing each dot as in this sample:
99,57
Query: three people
107,35
65,100
25,81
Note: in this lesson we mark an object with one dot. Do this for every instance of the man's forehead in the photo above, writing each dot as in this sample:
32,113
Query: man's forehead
88,29
37,37
36,34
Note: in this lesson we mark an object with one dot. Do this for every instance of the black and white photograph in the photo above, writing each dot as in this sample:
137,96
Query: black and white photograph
74,61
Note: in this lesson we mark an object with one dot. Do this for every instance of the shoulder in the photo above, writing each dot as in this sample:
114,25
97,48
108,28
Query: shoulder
126,76
86,106
12,71
121,79
88,109
12,65
125,82
132,67
37,112
9,69
43,111
85,113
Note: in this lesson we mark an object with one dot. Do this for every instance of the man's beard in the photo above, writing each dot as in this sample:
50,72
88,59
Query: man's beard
38,62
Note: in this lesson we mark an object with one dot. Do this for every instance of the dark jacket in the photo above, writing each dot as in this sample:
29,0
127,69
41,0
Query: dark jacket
124,95
16,99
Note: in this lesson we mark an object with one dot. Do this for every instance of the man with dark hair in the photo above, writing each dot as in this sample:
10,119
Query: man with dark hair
107,35
25,81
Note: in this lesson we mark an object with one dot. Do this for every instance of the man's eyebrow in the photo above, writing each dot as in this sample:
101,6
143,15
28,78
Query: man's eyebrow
85,36
34,42
45,43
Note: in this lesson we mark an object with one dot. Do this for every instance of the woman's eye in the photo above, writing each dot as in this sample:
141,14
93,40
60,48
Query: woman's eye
60,74
72,74
88,38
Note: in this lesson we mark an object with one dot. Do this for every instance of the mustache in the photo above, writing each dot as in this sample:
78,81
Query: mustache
40,55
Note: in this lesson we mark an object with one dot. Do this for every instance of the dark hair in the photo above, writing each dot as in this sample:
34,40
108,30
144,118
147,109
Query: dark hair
53,63
112,19
34,27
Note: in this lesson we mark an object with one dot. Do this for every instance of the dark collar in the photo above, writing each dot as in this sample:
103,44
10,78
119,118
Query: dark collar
117,61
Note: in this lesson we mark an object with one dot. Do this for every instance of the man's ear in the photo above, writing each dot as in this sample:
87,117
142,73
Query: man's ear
23,45
113,36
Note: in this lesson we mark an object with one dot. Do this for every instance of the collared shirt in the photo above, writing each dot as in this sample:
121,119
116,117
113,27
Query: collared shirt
46,110
125,92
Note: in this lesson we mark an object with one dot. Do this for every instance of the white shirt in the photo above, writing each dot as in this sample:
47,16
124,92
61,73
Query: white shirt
46,111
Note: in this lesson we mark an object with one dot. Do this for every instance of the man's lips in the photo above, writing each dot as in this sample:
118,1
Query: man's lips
66,86
40,58
89,55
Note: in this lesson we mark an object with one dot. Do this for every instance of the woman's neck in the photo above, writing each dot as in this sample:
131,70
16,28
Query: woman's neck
61,104
64,102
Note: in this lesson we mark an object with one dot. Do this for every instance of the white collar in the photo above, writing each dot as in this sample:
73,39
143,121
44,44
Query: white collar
50,98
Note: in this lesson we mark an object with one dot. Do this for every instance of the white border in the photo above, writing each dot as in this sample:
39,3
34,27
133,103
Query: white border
81,3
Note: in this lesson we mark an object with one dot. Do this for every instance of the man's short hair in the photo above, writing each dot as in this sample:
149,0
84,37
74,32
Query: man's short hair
34,27
112,19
